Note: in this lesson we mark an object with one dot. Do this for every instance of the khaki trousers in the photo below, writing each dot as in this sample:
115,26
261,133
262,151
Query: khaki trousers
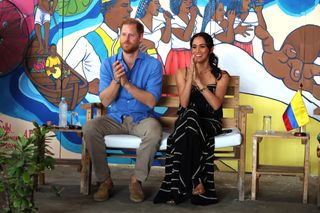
149,130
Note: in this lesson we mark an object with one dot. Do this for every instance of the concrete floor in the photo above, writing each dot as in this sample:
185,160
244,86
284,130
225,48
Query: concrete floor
277,194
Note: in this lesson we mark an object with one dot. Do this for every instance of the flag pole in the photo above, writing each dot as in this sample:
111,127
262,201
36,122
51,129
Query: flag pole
301,129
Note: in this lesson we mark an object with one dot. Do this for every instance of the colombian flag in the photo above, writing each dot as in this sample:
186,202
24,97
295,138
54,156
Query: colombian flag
296,114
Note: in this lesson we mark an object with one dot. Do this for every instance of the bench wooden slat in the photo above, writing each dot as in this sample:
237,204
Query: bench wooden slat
168,80
169,101
229,122
172,89
230,103
171,112
168,122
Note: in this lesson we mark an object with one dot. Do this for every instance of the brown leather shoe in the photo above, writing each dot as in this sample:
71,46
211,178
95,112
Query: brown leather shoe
104,190
136,193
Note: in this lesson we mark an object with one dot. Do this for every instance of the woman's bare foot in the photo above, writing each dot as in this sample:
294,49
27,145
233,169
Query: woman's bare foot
171,202
199,189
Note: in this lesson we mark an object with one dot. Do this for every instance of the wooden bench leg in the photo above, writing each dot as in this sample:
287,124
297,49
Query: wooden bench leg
241,168
306,172
41,177
85,175
254,169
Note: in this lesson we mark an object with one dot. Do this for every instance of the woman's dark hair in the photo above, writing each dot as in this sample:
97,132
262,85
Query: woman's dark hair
213,59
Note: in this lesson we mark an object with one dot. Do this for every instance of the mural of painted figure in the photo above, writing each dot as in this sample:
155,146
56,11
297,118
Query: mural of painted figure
294,62
155,28
216,25
42,18
246,21
183,28
55,70
103,42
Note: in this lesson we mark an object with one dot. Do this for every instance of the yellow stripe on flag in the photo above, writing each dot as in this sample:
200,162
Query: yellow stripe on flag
299,109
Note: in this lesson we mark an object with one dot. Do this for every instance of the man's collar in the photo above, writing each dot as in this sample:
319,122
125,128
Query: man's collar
141,55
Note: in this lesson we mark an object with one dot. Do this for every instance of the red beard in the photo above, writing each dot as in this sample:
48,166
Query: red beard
128,47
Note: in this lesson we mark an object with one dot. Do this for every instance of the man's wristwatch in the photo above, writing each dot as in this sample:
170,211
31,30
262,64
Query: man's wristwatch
117,81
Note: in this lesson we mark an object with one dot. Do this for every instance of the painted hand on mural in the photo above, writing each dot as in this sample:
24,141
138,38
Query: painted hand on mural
243,30
292,62
143,47
257,6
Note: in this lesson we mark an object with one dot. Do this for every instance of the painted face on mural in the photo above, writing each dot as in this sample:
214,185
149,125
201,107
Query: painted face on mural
130,39
122,9
53,50
245,5
199,50
219,13
154,7
185,6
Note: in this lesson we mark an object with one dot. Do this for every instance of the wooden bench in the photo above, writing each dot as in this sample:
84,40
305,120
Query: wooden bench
235,117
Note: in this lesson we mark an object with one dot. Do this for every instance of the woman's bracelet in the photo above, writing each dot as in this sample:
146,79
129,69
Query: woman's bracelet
203,89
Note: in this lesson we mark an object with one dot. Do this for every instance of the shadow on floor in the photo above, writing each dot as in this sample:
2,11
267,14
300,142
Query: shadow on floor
277,194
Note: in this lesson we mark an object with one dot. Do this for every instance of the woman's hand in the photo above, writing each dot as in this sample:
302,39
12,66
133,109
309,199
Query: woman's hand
192,67
196,77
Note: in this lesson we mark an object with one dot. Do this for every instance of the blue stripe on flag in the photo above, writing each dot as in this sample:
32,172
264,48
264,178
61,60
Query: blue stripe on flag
291,117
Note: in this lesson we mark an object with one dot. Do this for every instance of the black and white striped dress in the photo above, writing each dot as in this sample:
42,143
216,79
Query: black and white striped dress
190,153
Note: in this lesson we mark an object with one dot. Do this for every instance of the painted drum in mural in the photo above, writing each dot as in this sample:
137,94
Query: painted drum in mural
13,36
60,81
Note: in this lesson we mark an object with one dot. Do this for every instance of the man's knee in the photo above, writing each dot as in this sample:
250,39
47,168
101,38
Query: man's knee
154,131
89,128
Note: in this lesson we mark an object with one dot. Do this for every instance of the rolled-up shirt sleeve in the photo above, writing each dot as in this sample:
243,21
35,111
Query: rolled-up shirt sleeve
154,83
106,74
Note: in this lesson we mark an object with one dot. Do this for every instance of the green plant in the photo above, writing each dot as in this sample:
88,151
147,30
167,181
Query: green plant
21,160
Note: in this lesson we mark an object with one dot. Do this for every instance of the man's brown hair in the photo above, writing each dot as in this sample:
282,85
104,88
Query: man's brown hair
138,24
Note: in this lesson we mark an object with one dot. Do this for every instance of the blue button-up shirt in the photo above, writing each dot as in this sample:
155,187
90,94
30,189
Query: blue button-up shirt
145,74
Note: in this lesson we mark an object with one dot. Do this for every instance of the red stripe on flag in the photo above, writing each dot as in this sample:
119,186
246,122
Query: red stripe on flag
286,121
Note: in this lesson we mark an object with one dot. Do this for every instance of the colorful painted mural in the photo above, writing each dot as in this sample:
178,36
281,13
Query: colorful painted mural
53,48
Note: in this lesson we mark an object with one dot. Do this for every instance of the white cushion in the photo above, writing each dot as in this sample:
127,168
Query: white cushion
132,142
230,139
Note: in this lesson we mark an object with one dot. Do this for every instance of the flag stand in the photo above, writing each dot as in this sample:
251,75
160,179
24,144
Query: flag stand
301,131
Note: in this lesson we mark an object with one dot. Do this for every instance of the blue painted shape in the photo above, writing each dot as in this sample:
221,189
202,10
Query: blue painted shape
297,7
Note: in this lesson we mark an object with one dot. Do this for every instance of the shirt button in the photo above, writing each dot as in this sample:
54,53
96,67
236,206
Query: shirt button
128,101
